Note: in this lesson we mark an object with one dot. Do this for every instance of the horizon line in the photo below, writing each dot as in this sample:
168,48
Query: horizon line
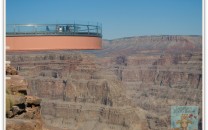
151,35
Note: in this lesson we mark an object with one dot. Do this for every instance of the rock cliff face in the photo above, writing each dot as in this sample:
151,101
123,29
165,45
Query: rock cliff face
158,72
22,110
130,84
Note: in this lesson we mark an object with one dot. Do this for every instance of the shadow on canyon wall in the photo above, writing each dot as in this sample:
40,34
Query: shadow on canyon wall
130,84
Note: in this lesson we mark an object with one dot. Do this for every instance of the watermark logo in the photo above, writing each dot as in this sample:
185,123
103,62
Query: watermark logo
184,118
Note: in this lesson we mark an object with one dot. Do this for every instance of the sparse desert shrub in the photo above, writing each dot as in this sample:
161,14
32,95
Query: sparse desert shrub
9,103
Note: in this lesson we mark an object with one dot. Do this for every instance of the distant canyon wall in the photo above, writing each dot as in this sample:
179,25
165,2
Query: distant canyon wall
146,74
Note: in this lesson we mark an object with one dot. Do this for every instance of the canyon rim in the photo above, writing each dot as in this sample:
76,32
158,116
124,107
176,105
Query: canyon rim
130,84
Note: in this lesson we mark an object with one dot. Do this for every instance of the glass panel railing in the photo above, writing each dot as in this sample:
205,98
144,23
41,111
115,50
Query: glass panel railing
54,29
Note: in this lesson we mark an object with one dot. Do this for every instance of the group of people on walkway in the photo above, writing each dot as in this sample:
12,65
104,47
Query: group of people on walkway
61,28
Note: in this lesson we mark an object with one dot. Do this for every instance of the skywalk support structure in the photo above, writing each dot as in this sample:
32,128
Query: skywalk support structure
40,37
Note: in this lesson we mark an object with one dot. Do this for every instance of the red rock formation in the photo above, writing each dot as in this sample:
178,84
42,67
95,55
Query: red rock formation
22,111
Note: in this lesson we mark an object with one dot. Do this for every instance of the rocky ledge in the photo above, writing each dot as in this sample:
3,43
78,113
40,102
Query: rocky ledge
22,110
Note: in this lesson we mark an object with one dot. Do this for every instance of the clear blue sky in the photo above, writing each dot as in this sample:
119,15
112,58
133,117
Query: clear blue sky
120,18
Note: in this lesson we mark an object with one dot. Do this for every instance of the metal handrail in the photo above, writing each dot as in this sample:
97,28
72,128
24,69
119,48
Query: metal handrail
53,29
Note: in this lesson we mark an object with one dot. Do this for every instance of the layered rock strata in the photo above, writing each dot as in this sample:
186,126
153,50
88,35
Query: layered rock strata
22,110
139,78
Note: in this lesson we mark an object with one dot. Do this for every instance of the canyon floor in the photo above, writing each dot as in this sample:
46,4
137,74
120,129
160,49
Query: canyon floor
130,84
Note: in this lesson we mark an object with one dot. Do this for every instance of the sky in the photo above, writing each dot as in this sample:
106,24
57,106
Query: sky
119,18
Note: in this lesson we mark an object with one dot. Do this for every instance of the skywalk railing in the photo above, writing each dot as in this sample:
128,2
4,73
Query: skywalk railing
53,29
